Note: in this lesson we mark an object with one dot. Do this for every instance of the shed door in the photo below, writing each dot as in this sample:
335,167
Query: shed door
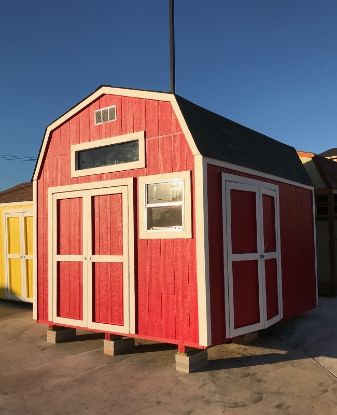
19,255
91,259
252,274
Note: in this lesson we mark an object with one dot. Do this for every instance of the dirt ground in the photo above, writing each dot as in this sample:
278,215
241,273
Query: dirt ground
290,369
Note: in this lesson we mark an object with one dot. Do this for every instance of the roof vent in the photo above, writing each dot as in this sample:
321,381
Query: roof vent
104,115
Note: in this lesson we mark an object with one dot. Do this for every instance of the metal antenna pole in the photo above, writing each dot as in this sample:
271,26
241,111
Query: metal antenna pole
172,49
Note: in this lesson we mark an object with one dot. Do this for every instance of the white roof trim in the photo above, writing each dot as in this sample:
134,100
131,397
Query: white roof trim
255,172
106,90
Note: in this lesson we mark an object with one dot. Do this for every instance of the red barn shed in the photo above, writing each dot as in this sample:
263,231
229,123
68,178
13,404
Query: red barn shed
161,220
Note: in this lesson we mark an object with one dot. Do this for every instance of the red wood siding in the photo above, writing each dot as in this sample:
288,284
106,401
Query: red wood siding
107,226
69,274
70,290
165,270
108,293
269,236
297,249
243,224
69,224
271,288
245,293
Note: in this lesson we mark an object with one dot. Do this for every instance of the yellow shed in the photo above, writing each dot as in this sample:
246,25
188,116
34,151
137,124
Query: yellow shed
16,243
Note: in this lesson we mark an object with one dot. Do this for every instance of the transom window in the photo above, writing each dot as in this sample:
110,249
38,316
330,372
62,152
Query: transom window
124,152
165,206
107,155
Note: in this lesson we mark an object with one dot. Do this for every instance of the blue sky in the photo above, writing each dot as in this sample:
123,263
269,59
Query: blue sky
268,64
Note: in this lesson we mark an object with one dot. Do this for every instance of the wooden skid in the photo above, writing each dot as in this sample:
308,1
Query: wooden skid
191,361
118,346
60,334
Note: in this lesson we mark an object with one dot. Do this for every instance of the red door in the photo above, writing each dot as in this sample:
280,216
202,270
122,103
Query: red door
251,249
271,253
90,279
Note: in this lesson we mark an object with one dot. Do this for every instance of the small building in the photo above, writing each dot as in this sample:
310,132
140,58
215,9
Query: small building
323,173
330,154
161,220
16,243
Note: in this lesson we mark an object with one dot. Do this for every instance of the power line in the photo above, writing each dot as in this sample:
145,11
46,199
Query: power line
12,157
4,179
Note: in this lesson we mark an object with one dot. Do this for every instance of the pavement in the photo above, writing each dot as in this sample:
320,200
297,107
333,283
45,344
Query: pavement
290,369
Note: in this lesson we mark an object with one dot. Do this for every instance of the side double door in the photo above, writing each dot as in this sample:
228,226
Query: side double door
18,226
253,281
89,260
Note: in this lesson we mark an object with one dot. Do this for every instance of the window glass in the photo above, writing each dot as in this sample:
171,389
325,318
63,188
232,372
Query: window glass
164,217
165,192
119,153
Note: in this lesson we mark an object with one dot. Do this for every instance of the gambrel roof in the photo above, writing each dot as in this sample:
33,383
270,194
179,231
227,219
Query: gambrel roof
328,171
210,135
219,138
332,152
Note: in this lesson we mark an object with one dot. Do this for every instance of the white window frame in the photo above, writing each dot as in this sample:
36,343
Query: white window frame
101,110
185,231
138,164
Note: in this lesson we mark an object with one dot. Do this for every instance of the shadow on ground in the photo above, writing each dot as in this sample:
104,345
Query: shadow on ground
312,335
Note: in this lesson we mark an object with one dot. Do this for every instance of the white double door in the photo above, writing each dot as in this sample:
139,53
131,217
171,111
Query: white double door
90,258
253,283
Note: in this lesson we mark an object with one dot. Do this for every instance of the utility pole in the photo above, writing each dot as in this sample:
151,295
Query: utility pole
172,49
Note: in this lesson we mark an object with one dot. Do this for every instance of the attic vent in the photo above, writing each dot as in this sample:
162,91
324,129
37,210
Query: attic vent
105,115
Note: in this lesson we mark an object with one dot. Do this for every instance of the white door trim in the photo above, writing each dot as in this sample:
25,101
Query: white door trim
86,191
229,182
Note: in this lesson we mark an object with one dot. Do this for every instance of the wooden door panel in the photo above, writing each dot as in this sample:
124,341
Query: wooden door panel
108,293
269,231
28,234
29,278
271,288
107,227
13,235
69,226
109,259
246,293
243,221
15,277
70,290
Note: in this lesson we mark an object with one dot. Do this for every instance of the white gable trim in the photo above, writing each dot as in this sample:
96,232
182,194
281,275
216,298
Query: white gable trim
105,90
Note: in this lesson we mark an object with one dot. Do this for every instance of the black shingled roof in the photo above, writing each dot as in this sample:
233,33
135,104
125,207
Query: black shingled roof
328,171
222,139
329,153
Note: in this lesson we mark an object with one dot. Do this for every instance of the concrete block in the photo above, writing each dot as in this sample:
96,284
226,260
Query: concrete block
118,346
246,338
191,361
60,334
